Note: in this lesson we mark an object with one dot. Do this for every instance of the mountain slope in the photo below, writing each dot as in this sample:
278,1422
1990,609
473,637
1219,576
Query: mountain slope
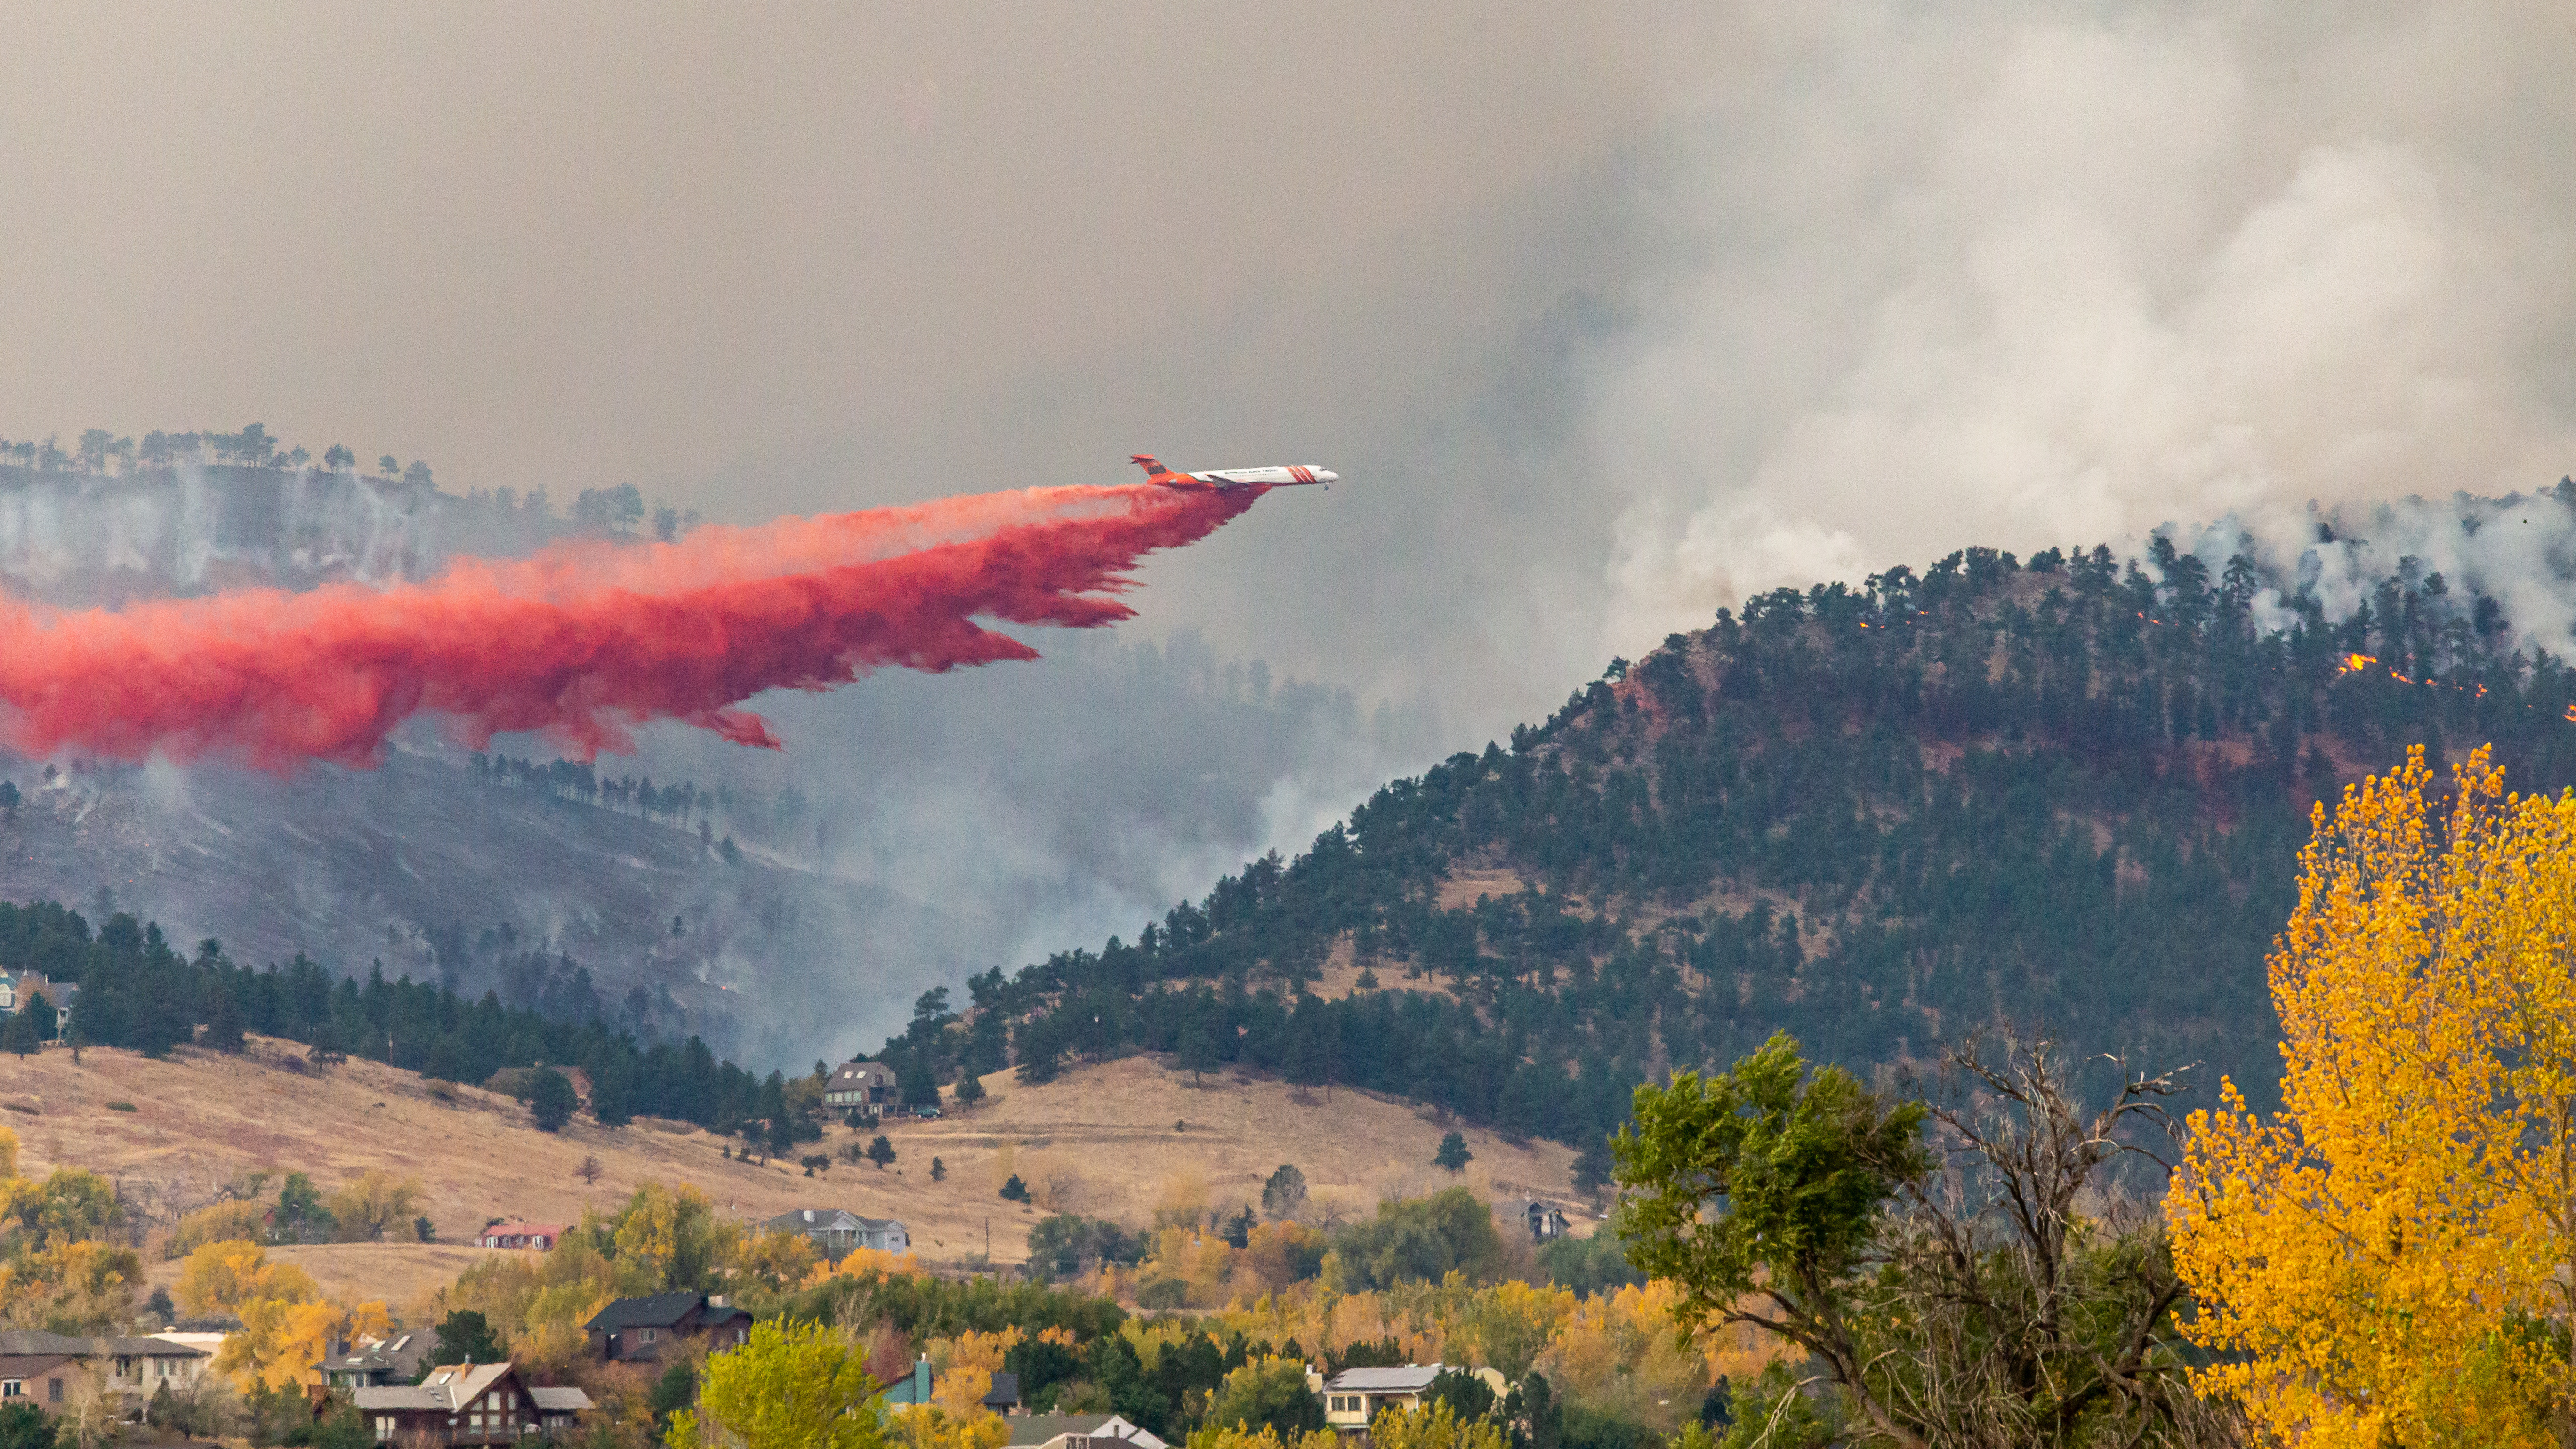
2068,794
1100,1141
439,876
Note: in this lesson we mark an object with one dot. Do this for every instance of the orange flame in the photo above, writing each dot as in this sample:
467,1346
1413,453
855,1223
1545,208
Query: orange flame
2355,663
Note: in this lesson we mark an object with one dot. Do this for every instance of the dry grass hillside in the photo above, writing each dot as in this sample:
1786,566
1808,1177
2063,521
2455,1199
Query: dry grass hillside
1111,1141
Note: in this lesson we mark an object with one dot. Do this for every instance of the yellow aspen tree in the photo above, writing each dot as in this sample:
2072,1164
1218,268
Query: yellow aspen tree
2388,1261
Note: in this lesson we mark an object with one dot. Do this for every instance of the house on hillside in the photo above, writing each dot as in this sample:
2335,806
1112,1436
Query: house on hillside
636,1330
467,1403
836,1232
1546,1221
1078,1431
867,1088
539,1237
17,987
43,1368
1353,1397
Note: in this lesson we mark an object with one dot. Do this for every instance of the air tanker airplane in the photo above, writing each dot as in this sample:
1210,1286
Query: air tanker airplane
1285,476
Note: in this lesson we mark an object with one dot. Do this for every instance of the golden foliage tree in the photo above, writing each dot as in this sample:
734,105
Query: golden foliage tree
373,1203
1435,1427
1237,1436
223,1222
223,1277
2389,1260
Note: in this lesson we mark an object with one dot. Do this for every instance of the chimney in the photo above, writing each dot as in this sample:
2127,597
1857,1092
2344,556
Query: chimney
715,1300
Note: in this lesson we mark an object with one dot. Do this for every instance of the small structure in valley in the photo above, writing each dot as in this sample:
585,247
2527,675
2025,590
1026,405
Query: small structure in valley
538,1237
837,1231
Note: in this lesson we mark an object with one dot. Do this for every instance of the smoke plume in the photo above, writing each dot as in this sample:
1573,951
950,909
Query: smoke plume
584,643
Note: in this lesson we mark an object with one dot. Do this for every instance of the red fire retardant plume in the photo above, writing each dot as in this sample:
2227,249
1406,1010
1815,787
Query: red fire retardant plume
585,642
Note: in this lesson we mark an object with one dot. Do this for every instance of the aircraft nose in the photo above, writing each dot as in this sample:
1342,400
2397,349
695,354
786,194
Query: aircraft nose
1327,475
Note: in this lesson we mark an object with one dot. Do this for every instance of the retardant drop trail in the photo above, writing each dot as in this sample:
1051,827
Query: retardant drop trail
585,642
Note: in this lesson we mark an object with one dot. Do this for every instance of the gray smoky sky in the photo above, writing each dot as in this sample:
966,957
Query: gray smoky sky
1608,314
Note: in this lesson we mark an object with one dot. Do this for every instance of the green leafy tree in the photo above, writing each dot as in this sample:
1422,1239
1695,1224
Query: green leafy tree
789,1386
24,1426
1420,1240
1801,1202
1268,1393
1453,1154
20,1035
1284,1193
551,1100
466,1336
675,1390
300,1216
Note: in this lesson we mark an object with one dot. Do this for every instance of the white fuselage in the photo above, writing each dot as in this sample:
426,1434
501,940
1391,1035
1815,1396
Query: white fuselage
1285,476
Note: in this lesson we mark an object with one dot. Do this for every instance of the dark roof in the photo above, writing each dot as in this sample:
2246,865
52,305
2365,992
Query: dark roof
660,1310
1006,1390
36,1343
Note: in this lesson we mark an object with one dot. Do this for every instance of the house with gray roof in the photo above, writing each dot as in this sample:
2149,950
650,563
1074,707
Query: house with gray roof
837,1231
42,1364
1353,1397
1078,1431
468,1403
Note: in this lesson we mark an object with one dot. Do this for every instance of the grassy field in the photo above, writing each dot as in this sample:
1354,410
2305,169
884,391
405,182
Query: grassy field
1113,1140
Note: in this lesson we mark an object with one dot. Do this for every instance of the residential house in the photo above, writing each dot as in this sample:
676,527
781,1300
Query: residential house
918,1386
1078,1431
17,986
635,1330
913,1388
376,1363
867,1088
538,1236
42,1379
836,1232
1353,1397
1546,1221
467,1403
46,1366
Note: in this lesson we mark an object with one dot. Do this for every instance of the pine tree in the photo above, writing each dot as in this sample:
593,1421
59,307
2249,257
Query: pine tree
1453,1154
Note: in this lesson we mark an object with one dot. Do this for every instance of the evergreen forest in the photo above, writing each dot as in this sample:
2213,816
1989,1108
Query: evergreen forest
2066,793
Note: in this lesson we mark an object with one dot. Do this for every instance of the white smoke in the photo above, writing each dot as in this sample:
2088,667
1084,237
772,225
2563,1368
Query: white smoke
2030,274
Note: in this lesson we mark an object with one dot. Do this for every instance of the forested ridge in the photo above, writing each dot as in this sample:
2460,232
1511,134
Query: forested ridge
2067,792
137,991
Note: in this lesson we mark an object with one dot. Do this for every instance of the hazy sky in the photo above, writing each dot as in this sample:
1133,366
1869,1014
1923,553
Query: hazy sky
1606,313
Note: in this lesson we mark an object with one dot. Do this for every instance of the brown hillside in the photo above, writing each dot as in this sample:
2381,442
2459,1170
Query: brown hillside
1100,1140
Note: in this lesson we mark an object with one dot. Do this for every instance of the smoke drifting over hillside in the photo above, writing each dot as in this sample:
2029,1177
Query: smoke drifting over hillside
2029,274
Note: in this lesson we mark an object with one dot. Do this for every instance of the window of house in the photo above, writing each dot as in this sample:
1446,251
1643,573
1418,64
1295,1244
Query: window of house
53,1391
648,1335
384,1430
13,1389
